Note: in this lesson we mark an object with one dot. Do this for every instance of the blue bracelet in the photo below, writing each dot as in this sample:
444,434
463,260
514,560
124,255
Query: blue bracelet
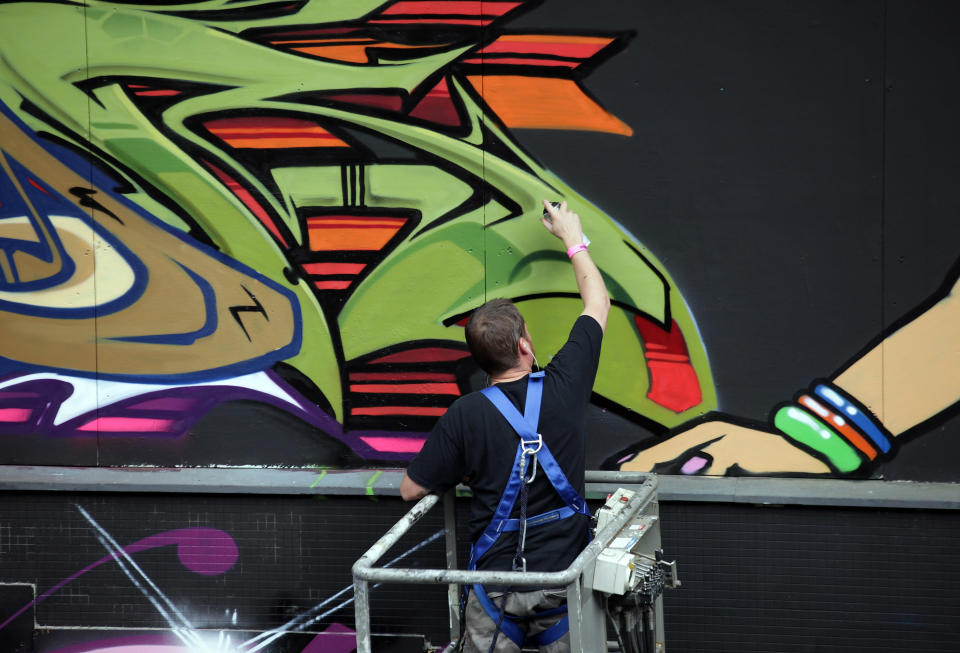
860,418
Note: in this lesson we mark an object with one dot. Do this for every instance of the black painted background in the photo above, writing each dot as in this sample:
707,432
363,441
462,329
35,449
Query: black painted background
794,166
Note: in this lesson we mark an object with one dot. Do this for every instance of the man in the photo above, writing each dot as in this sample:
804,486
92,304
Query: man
475,440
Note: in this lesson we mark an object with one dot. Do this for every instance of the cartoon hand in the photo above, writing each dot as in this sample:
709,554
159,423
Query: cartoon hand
717,447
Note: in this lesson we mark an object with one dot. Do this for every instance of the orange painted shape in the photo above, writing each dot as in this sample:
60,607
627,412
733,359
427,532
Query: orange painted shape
334,233
582,47
271,132
532,103
348,53
521,61
841,425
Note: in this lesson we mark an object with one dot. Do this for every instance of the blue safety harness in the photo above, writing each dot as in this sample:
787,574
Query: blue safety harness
531,445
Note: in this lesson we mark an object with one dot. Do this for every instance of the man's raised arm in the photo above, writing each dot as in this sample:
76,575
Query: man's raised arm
565,225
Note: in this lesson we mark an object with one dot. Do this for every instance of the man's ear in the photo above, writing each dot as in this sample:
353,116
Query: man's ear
524,346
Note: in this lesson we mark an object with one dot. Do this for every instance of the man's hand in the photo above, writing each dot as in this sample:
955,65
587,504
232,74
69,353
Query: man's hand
411,490
563,223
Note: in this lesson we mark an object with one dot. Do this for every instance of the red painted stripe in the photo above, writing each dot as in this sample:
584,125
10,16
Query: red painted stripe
158,93
402,376
388,102
673,358
247,200
226,134
337,284
424,355
448,7
517,61
260,123
338,226
353,221
557,49
334,268
38,186
408,388
477,22
427,411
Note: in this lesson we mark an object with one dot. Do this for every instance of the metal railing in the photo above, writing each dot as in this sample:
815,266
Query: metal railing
587,625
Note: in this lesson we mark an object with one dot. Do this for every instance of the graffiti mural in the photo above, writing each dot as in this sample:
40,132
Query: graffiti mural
298,206
221,220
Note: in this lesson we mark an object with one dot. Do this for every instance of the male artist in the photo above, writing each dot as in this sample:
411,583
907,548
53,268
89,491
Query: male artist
475,441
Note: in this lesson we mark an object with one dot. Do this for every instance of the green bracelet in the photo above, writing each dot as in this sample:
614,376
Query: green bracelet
799,425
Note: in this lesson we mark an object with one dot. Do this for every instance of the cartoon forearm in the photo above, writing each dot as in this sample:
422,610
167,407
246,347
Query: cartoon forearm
910,375
913,373
841,425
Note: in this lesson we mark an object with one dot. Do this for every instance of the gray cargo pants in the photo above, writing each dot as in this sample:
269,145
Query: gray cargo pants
480,627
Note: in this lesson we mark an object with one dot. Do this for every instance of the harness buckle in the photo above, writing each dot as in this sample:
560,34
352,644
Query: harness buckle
522,565
529,444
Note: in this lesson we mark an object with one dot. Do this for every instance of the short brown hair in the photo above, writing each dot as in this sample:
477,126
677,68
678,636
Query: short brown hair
493,332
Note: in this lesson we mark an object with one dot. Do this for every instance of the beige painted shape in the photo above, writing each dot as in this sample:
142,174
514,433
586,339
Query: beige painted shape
754,451
171,303
914,373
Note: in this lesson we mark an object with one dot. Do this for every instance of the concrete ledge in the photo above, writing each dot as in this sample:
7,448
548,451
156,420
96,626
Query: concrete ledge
386,482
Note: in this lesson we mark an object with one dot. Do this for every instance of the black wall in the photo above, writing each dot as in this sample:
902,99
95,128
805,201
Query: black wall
759,579
794,167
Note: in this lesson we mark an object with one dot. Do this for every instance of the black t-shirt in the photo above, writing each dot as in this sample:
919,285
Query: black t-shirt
473,441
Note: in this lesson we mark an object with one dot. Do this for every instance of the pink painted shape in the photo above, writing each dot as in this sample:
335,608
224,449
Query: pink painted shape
142,648
129,425
165,403
335,639
395,445
694,465
15,414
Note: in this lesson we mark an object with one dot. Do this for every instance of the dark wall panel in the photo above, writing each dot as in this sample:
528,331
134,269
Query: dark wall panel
754,578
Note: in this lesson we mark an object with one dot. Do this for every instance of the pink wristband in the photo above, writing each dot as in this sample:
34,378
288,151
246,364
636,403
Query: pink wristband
579,247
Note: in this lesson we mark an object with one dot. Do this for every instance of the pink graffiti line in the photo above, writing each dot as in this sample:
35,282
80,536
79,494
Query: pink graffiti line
205,551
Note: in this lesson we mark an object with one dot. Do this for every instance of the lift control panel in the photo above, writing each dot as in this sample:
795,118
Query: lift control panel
633,561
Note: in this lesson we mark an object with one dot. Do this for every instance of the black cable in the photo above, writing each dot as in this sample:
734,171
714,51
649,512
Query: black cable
651,629
464,597
496,632
636,642
613,621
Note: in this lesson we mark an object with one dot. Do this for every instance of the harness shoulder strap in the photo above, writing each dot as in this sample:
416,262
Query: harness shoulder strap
525,425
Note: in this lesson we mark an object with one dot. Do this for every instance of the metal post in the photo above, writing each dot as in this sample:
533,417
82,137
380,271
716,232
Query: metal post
453,590
361,611
575,615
